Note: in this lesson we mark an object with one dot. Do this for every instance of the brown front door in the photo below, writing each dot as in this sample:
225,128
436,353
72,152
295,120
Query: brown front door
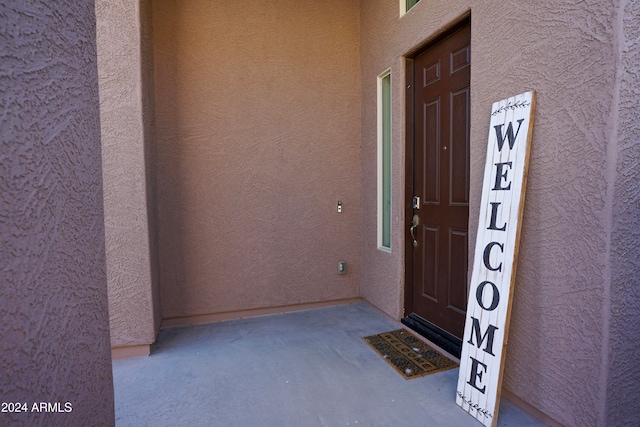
438,201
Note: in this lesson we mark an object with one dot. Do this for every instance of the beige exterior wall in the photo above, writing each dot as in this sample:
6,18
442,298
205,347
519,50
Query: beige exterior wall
54,339
125,69
569,52
623,168
258,135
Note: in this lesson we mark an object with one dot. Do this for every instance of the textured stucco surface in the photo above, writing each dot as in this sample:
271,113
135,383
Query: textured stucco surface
557,323
566,51
258,134
623,387
150,151
125,69
54,340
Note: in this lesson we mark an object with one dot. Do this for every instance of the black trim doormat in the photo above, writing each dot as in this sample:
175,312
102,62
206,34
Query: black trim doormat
408,355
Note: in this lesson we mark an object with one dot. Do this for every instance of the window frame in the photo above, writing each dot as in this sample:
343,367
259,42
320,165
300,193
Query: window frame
384,160
404,8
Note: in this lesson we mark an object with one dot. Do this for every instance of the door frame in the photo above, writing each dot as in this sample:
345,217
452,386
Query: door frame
433,333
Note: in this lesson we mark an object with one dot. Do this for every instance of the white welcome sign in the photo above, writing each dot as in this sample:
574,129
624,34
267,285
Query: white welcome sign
494,268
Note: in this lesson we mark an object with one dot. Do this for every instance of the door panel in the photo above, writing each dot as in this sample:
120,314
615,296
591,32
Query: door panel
441,113
429,261
431,156
459,175
457,272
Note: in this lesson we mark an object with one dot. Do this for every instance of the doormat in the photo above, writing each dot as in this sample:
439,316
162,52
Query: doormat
411,357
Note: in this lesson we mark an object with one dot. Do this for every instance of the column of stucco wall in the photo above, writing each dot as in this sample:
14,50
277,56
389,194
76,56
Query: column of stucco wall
126,94
258,133
623,386
566,51
150,152
54,339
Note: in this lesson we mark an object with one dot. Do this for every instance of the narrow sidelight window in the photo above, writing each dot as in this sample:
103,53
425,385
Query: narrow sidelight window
384,160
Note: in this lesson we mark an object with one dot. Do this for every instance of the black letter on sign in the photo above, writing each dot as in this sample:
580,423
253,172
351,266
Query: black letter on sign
487,253
476,375
499,175
509,135
494,217
496,295
488,335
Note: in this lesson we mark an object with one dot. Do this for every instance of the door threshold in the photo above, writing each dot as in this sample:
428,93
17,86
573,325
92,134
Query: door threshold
438,336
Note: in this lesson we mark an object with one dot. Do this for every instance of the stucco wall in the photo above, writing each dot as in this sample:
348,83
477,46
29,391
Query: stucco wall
567,52
258,134
150,151
128,169
624,166
54,340
564,52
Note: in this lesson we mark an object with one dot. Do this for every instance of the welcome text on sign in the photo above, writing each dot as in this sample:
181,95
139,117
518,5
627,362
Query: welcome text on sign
497,242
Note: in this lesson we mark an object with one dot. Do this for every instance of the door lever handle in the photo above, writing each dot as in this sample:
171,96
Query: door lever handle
414,223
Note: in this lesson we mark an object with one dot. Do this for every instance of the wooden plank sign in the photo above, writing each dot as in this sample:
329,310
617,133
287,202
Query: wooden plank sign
494,268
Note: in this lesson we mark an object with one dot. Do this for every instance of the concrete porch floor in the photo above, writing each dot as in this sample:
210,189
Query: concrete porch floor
306,368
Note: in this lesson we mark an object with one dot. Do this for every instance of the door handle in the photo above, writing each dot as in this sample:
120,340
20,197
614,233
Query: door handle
414,223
